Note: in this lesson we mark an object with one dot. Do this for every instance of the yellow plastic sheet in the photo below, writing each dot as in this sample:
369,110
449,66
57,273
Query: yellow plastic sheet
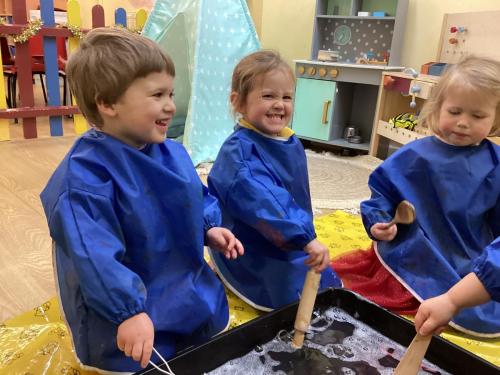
341,232
37,342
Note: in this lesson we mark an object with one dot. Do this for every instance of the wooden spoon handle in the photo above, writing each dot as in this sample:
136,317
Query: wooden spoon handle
410,363
306,306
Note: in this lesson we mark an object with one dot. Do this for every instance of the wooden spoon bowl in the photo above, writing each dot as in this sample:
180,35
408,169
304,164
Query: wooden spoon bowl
405,214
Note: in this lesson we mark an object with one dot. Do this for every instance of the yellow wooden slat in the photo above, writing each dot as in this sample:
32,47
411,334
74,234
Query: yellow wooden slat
140,18
74,19
4,123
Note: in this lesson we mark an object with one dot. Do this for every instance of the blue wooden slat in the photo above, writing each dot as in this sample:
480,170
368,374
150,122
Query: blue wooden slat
51,67
121,17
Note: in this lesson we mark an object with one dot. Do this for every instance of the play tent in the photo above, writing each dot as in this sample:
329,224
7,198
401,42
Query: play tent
205,38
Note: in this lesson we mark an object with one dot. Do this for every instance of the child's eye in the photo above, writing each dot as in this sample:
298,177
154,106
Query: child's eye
286,97
479,117
453,112
267,96
172,94
157,94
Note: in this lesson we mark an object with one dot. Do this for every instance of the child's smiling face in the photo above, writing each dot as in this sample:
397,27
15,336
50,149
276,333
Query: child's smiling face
466,117
269,104
142,114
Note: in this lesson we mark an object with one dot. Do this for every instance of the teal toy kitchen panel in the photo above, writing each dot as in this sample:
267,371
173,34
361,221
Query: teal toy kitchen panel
313,110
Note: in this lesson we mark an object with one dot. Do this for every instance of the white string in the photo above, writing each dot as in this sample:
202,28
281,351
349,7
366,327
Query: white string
43,312
168,371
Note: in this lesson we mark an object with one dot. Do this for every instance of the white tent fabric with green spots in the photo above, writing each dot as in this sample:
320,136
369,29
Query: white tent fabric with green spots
205,39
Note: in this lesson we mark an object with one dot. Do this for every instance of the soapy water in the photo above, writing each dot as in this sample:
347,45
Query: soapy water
336,344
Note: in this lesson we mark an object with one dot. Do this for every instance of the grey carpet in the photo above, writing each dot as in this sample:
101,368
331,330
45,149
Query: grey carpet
339,182
336,182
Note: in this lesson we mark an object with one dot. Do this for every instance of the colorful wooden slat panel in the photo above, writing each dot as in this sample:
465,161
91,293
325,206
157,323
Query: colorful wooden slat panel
75,20
97,16
140,18
24,76
51,66
4,123
121,17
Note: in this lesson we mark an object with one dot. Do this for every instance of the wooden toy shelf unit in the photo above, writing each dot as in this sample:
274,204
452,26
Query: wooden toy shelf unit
397,92
336,91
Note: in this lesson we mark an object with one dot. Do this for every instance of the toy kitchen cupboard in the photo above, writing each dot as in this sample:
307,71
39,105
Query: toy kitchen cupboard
354,42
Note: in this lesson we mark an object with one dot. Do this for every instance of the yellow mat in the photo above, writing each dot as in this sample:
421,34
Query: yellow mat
37,342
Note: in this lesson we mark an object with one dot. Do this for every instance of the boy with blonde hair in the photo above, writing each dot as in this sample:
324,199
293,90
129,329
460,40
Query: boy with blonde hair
129,215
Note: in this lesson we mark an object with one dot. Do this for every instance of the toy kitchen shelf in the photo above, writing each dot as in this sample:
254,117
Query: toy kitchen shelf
397,93
331,96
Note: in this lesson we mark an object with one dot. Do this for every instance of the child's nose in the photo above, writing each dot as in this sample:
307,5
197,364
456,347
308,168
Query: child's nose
462,122
278,103
169,106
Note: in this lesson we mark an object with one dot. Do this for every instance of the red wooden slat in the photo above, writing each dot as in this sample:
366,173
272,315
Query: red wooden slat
97,16
11,28
27,112
23,65
45,31
58,31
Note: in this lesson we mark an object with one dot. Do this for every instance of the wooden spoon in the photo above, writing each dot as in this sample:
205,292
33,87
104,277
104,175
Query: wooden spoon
410,363
306,305
405,214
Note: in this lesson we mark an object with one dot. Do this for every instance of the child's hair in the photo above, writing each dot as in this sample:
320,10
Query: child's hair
105,65
251,69
479,74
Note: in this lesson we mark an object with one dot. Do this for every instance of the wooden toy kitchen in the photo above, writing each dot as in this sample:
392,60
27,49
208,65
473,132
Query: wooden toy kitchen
354,42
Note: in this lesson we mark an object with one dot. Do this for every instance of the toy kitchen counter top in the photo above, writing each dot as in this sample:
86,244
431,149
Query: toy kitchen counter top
343,72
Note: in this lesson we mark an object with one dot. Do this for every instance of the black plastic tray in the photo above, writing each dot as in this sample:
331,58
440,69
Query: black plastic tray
241,340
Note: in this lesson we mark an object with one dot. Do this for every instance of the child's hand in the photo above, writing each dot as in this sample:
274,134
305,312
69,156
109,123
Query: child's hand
434,314
383,231
224,240
135,338
319,257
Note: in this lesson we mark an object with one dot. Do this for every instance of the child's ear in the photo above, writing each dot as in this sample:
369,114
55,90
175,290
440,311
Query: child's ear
105,109
235,102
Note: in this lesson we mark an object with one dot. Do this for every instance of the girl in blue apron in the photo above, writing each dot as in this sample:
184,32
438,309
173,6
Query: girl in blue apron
453,180
260,178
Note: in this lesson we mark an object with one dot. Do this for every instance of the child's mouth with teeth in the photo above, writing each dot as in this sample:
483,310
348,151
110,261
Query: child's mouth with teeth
161,122
275,116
